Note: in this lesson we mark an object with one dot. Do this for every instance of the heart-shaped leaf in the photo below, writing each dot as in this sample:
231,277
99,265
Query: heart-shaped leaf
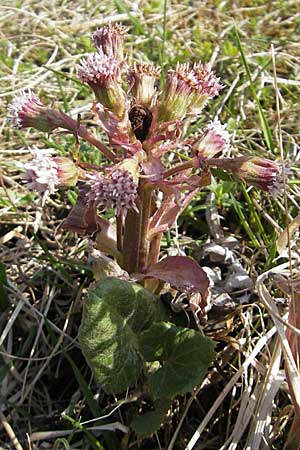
184,356
115,313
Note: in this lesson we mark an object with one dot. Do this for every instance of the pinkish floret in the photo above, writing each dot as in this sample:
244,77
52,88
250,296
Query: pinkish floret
99,69
187,90
207,82
142,79
26,110
41,172
109,40
262,173
45,173
215,141
259,172
103,74
176,96
116,189
24,106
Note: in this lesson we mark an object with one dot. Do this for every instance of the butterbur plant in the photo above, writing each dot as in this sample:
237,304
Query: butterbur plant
150,174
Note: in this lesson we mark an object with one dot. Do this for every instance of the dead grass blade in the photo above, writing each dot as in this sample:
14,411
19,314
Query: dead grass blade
257,349
292,373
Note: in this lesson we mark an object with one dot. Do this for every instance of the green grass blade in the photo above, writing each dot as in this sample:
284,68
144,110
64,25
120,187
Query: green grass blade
243,220
164,38
122,7
264,124
61,442
255,215
96,445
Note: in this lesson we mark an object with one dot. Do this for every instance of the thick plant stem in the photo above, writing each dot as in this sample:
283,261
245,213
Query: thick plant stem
146,197
154,249
131,241
120,232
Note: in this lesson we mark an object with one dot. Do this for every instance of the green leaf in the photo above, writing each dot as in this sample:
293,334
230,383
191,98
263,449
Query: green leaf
184,355
116,312
151,421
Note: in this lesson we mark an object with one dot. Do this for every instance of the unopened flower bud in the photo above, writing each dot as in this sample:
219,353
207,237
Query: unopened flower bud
27,110
262,173
142,79
67,171
214,142
103,74
115,188
45,173
109,40
187,90
176,95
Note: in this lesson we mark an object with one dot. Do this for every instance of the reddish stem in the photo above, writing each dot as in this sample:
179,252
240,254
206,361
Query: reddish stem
194,162
89,137
120,232
131,241
84,165
154,249
146,199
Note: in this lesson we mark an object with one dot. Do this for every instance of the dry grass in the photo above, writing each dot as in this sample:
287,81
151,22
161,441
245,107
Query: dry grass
245,401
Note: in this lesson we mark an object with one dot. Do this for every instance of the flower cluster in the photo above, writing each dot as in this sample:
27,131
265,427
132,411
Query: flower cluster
145,126
187,90
115,189
41,172
215,141
109,40
27,110
46,173
262,173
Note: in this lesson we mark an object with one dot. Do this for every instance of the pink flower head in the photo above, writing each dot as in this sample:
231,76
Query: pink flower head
45,173
207,81
214,142
103,74
26,110
109,40
207,86
176,95
41,172
262,173
187,90
142,79
114,189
